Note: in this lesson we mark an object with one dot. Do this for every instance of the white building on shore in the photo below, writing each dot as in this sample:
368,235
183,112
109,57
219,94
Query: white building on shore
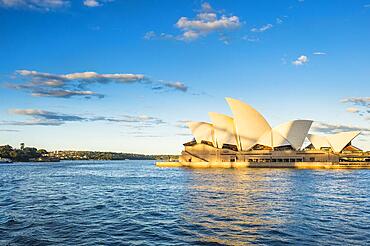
246,136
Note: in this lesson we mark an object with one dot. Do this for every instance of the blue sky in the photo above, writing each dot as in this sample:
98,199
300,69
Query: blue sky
125,75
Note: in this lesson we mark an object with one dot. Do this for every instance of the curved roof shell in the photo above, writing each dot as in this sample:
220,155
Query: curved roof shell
224,130
250,125
202,131
294,132
272,138
336,141
318,141
290,133
339,140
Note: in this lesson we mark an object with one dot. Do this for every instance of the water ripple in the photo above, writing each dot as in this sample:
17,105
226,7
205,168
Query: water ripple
135,203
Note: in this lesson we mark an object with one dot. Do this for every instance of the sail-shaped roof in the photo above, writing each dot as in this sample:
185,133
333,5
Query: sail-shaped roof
294,132
339,140
248,128
291,133
318,141
250,125
202,131
336,141
224,130
272,138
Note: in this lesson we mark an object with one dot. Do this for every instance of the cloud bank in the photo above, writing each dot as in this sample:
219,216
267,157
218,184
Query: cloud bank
362,106
333,128
359,101
48,5
47,118
41,84
35,4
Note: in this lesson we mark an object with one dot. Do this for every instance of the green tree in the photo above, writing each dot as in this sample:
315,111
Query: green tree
42,152
5,151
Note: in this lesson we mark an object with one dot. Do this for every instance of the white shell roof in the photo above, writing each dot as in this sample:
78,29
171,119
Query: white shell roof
224,130
294,131
336,141
248,128
318,141
339,140
202,131
250,125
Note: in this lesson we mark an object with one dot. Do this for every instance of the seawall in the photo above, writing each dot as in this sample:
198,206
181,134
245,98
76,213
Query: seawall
299,165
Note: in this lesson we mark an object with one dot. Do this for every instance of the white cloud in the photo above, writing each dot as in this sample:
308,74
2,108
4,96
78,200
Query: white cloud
318,53
250,38
150,35
77,84
91,3
59,78
352,110
362,106
206,7
177,85
300,60
182,124
95,3
64,93
35,4
121,77
336,128
262,28
190,35
279,21
360,101
171,85
39,117
207,21
204,24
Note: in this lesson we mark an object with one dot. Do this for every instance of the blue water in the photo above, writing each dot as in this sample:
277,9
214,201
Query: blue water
135,203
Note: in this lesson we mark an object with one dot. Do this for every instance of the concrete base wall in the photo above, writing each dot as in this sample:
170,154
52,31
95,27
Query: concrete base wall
300,165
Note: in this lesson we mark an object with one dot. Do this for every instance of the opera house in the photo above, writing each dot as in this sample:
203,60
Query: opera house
247,139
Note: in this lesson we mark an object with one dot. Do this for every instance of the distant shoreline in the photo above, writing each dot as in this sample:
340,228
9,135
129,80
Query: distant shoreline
31,154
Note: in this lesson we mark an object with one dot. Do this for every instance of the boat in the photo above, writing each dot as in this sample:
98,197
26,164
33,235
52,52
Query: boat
5,160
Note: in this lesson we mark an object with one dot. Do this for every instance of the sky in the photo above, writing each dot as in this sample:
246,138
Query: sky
126,75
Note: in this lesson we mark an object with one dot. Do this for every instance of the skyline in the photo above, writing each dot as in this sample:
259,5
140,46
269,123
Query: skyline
126,75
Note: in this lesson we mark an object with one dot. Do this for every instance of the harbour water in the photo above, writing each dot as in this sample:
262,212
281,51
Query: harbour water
137,203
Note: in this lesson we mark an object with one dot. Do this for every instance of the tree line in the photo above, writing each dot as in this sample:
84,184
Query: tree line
26,154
